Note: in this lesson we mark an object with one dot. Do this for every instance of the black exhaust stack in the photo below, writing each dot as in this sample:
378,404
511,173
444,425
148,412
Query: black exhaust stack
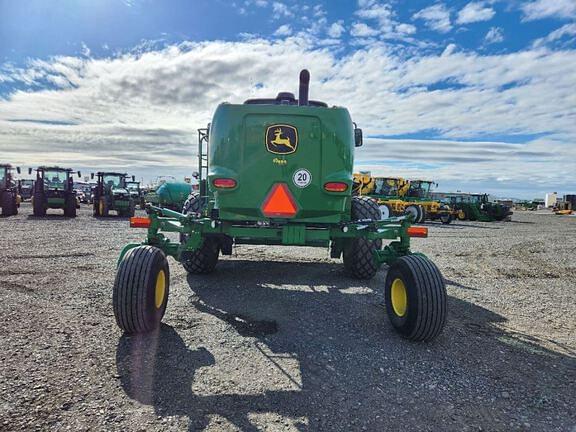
304,87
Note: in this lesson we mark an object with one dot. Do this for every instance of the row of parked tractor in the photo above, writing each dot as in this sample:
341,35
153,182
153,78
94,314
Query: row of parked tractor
397,196
54,188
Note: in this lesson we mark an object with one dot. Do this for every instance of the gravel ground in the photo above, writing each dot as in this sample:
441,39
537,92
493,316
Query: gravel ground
280,339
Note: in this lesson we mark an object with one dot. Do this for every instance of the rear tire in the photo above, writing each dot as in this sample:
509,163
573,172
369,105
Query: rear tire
70,207
9,204
102,207
358,254
422,215
141,290
446,219
38,208
204,259
415,297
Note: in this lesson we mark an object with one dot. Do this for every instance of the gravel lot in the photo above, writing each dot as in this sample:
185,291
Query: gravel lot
279,339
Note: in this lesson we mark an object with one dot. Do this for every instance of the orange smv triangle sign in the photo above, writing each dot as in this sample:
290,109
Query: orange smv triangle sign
279,202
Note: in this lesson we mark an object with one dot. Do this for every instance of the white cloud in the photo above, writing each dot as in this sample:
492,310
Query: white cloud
141,110
475,12
336,29
494,35
385,17
281,10
437,17
283,30
539,9
362,30
567,30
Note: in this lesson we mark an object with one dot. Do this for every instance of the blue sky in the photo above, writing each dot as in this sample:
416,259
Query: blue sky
478,95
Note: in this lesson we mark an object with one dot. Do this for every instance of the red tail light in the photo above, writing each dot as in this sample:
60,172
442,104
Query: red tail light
417,231
224,183
335,187
139,222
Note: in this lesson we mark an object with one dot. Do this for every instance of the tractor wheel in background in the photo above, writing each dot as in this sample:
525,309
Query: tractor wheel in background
461,215
141,289
446,219
415,297
358,254
415,211
38,208
422,215
131,209
9,205
102,208
385,211
204,259
70,207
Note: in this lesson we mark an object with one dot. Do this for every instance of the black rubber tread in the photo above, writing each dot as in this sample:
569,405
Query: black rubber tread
70,207
446,219
38,208
426,313
131,209
358,255
105,211
204,259
422,214
134,290
9,204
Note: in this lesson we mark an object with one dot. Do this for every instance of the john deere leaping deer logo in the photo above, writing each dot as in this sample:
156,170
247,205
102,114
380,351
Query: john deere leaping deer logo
281,139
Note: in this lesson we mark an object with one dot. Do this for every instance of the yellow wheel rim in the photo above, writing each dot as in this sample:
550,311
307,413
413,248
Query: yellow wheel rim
160,290
399,297
101,207
461,215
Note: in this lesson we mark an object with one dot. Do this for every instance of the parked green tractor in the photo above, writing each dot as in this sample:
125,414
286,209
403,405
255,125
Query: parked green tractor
169,193
478,207
279,172
111,194
9,199
54,189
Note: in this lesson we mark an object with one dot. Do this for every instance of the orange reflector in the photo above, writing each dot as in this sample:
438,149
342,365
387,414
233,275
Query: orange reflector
140,222
417,231
224,183
279,202
335,186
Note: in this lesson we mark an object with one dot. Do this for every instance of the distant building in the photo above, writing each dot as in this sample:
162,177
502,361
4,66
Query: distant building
550,199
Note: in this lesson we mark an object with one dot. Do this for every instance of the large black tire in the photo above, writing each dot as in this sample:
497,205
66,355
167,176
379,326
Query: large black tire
103,207
38,207
358,254
70,207
204,259
446,219
141,290
131,209
415,297
9,204
423,215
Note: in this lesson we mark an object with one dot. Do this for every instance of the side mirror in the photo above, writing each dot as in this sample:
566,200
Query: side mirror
196,174
29,171
133,178
79,174
18,170
92,176
358,140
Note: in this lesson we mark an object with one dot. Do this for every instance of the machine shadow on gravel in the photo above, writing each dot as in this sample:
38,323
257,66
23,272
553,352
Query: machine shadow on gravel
356,373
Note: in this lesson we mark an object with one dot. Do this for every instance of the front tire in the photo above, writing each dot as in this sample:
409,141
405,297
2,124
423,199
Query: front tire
141,290
38,208
385,211
415,211
446,219
415,297
70,207
358,254
9,204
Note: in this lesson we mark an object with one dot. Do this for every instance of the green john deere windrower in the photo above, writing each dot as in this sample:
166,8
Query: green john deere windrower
279,172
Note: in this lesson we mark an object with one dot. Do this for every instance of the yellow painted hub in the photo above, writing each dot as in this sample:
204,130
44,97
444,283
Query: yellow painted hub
160,290
399,297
